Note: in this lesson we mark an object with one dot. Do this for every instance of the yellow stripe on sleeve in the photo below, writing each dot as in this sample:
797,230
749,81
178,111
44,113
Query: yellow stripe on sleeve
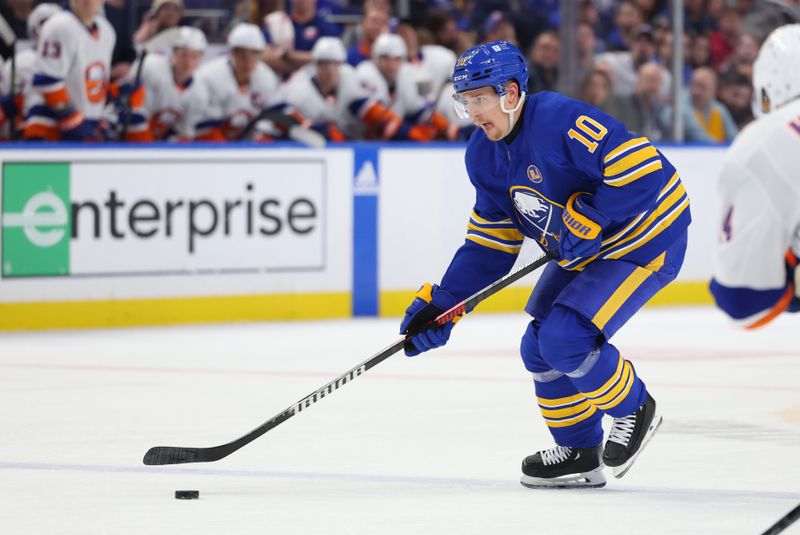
630,161
635,175
481,221
655,231
670,183
494,245
662,208
628,145
508,234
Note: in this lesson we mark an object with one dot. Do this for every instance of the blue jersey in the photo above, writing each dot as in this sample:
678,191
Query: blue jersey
561,146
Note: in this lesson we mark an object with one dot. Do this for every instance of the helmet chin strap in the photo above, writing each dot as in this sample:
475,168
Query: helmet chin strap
511,112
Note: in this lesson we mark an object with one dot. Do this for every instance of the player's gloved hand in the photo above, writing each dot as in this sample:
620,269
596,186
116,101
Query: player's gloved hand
128,91
126,97
429,303
581,228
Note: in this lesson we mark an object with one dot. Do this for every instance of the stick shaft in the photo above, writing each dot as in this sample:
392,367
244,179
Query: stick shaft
12,121
127,108
787,520
174,455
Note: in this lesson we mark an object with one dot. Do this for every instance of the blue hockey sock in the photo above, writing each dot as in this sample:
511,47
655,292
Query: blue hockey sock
610,382
571,344
571,418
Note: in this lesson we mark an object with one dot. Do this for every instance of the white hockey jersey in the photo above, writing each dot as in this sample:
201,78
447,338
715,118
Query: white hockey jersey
164,99
760,191
216,103
434,69
444,106
23,78
24,70
72,66
404,98
344,109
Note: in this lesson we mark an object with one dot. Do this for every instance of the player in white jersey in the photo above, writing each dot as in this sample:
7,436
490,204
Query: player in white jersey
391,79
166,80
230,92
433,63
71,77
330,95
755,264
13,101
444,106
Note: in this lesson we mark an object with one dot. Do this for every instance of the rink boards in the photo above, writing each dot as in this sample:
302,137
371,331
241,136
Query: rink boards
123,235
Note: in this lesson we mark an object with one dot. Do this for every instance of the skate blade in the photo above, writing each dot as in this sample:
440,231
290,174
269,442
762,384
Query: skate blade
622,469
586,480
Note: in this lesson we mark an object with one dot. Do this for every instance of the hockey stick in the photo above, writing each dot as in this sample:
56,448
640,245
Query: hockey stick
127,111
175,455
294,131
787,520
161,40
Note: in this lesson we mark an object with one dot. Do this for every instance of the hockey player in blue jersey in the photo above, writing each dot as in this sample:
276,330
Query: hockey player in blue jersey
613,212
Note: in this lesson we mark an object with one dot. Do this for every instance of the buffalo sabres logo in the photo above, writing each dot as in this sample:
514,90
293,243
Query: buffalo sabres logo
466,57
534,174
533,211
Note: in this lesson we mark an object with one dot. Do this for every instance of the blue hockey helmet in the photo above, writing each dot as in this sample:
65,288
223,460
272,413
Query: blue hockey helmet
491,64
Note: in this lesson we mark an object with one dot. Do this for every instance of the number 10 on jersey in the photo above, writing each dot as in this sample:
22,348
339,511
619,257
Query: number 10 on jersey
591,128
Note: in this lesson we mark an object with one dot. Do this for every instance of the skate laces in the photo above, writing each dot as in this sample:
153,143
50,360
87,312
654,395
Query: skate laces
622,429
555,455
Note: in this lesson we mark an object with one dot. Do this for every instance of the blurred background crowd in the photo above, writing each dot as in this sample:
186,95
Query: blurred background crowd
332,70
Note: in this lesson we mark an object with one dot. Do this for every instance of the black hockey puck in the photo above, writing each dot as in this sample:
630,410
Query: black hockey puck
187,494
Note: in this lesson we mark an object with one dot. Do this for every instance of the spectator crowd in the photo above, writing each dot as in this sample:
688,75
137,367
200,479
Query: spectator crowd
321,71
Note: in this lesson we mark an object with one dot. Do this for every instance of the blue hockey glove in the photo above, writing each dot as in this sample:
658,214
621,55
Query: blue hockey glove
581,229
429,303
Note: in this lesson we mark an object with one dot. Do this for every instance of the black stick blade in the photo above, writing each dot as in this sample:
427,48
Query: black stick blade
168,455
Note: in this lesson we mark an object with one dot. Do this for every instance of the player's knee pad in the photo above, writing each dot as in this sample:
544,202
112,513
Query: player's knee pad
566,338
529,350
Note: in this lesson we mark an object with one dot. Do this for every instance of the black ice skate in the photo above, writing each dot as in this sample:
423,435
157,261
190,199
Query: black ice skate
629,435
563,467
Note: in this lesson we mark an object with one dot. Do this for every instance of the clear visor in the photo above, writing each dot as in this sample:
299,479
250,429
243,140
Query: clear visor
466,107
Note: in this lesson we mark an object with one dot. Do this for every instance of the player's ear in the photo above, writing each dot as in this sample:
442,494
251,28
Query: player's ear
513,92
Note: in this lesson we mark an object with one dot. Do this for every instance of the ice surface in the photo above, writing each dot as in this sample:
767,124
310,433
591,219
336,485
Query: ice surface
425,445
